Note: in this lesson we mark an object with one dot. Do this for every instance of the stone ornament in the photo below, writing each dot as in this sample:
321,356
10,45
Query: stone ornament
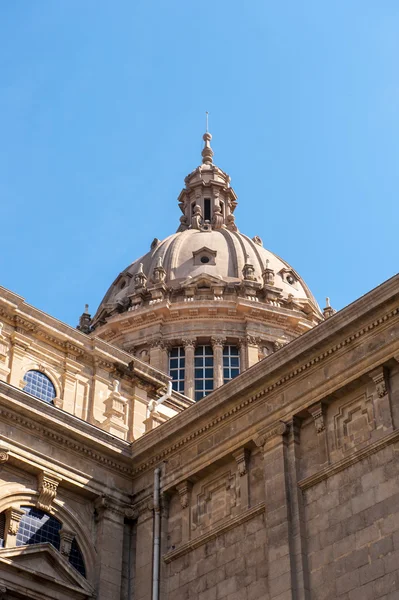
379,378
48,485
15,515
4,455
66,539
277,430
242,457
184,491
317,412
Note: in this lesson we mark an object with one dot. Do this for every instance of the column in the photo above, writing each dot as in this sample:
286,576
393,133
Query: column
144,551
317,411
242,344
217,345
189,348
279,554
252,351
184,491
109,546
242,458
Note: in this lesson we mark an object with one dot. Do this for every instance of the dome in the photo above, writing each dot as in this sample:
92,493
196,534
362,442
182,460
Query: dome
228,256
207,302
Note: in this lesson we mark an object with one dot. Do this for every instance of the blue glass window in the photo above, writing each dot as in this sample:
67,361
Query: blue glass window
40,386
231,363
37,527
2,528
203,371
177,367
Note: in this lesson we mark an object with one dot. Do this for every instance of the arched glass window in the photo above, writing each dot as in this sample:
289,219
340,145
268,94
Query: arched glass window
177,367
2,528
37,527
203,375
231,362
39,385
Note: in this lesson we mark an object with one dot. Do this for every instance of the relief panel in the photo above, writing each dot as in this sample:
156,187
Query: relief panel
215,500
354,422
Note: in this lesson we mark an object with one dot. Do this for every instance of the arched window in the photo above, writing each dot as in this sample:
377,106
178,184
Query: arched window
2,528
39,385
203,375
37,527
231,362
177,367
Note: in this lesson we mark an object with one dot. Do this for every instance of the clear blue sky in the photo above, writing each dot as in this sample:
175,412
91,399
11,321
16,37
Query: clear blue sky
101,117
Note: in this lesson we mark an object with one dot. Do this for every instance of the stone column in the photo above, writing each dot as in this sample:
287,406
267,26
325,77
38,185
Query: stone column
242,459
277,513
242,344
217,345
109,546
184,490
317,412
252,351
189,347
144,550
158,355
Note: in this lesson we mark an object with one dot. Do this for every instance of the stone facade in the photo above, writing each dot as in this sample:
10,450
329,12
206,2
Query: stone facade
282,484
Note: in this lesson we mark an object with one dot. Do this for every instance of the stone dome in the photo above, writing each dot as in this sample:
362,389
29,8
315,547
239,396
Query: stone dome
228,256
206,295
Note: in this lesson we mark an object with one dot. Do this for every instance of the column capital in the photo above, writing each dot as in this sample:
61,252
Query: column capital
274,431
218,341
184,490
379,377
189,342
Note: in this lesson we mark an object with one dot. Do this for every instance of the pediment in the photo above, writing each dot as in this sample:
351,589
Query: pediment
40,567
203,280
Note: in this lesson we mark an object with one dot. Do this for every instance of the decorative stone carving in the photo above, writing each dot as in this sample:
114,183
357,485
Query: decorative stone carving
66,539
242,457
276,430
317,412
250,340
140,279
230,223
184,491
278,344
85,321
218,341
197,220
217,219
4,455
328,311
188,342
115,412
48,485
14,516
155,242
183,223
354,422
248,272
380,380
268,274
257,240
159,273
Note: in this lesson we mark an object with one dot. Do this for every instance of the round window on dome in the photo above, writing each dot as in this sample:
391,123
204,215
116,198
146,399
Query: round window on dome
205,259
291,279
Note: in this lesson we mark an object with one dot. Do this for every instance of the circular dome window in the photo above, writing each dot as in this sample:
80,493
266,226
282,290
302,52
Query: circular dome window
290,279
204,259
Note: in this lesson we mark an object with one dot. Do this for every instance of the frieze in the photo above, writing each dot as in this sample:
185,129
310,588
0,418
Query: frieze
267,390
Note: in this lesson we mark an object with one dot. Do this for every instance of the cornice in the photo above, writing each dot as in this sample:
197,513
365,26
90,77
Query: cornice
53,431
293,373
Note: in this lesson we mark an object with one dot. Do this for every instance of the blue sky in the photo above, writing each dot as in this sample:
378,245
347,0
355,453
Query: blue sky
102,113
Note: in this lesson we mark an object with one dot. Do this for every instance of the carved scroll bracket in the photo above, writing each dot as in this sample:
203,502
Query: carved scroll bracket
48,485
318,413
379,376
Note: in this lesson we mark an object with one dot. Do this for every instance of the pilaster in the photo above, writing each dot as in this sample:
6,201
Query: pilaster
242,459
252,351
109,540
184,491
318,413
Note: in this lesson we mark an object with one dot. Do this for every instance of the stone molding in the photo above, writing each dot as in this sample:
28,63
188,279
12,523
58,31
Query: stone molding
184,491
267,390
216,532
218,341
317,411
14,516
242,457
379,376
189,342
4,455
47,485
277,430
348,461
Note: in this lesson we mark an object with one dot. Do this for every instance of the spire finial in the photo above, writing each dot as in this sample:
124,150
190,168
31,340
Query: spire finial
207,152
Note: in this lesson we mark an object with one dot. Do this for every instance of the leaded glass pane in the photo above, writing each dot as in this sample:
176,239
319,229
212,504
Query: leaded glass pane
39,386
37,527
76,558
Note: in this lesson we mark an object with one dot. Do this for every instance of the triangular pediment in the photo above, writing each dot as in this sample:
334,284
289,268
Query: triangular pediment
49,567
203,280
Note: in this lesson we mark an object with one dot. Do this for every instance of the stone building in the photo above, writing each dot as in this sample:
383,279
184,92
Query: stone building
208,434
